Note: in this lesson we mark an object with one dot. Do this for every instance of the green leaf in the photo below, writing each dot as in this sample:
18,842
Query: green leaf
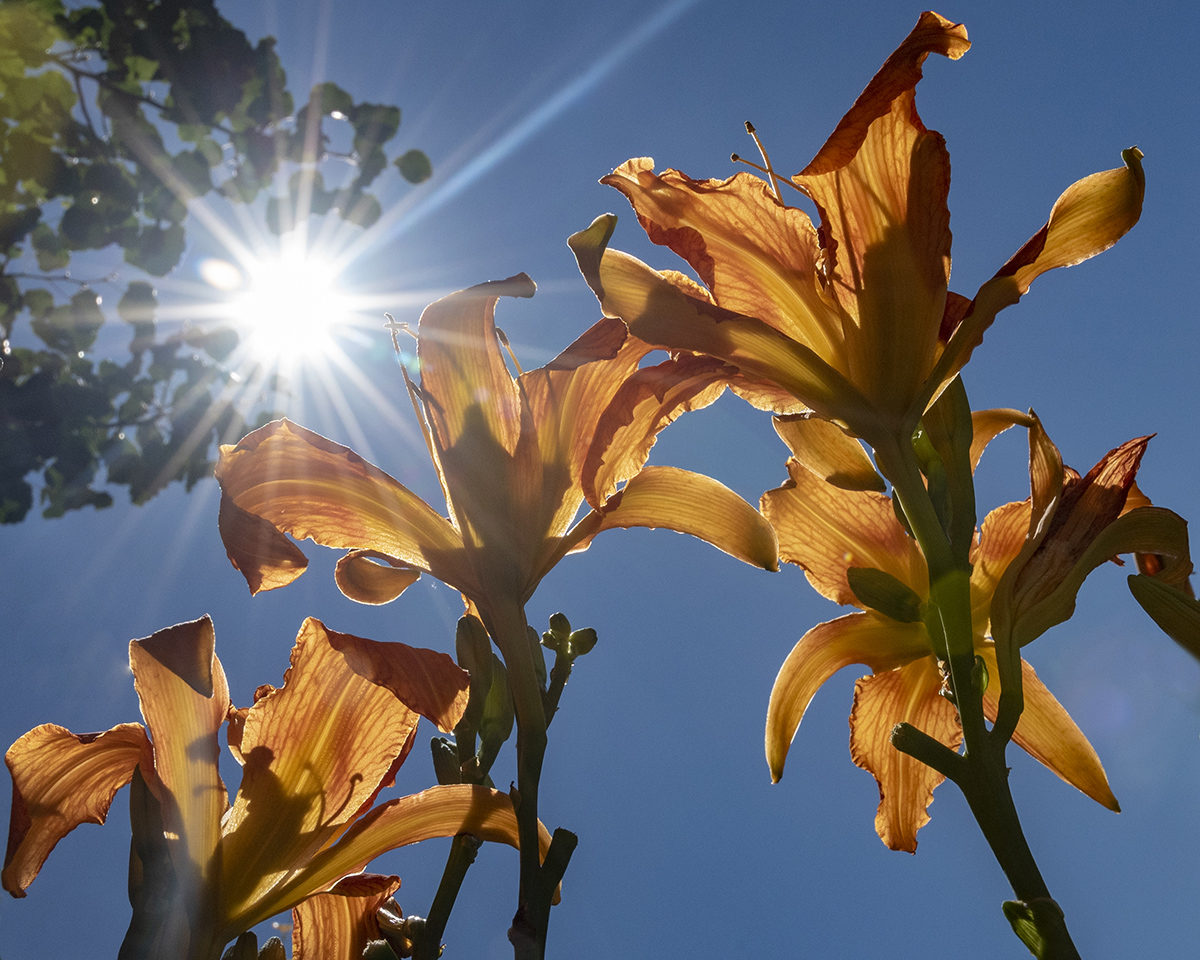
52,253
363,210
414,166
329,98
157,250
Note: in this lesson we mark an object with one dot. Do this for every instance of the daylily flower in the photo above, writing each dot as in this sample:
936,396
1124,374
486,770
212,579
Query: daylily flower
315,754
852,319
1024,573
510,453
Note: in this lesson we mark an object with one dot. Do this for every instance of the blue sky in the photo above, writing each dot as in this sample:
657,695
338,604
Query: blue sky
656,758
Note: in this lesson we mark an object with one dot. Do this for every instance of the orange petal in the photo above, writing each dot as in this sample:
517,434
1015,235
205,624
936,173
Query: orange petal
880,184
338,925
317,751
426,681
865,638
1089,217
1086,507
690,503
308,486
1001,539
757,256
659,312
441,811
360,578
185,699
263,555
826,450
910,694
463,373
1048,734
61,780
620,442
827,530
566,400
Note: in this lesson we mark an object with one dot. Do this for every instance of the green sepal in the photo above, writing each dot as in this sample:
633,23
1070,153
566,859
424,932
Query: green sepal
1176,613
381,950
979,676
1039,925
935,474
881,591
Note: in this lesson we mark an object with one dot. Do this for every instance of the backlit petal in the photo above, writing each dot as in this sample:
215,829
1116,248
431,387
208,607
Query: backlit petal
648,400
908,694
308,486
989,424
360,578
864,638
827,530
1089,217
61,780
829,452
316,751
659,312
338,925
757,256
440,811
185,698
880,184
689,503
1048,734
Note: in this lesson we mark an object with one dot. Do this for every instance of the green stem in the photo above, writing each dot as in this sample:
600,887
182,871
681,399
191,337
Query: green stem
507,625
463,849
981,773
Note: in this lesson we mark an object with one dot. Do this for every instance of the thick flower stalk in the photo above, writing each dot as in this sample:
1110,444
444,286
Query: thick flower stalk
315,754
516,457
853,318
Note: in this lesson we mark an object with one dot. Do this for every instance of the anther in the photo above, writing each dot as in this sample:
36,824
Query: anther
500,335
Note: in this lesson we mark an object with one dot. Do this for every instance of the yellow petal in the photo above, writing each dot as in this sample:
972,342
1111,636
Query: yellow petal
880,184
691,503
338,925
908,694
1048,734
184,699
858,638
61,780
308,486
440,811
829,452
1089,217
989,424
360,578
317,751
648,400
827,530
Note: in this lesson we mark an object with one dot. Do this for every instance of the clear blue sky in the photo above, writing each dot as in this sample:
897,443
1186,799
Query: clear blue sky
655,760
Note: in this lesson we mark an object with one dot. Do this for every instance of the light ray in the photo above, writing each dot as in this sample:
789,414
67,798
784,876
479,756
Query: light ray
404,217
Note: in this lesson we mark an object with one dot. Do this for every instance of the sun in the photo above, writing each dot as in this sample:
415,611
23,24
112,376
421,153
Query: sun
287,305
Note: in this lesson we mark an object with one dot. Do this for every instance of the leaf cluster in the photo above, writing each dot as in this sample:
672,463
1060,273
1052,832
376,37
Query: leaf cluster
114,117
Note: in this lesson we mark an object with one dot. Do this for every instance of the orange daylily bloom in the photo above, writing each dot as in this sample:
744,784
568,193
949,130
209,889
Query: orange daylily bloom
853,319
315,754
511,454
1025,573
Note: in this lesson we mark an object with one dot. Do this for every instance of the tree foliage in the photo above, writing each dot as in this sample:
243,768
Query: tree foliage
114,116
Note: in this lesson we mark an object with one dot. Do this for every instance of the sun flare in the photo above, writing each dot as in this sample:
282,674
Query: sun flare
287,305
